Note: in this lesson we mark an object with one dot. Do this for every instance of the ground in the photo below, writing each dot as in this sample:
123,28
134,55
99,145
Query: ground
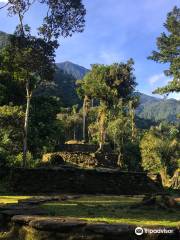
11,199
111,209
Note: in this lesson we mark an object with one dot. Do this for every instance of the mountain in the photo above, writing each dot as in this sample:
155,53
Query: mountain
63,87
156,109
73,69
3,39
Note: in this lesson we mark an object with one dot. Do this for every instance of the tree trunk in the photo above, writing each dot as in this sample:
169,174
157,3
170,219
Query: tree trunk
132,115
85,111
74,133
102,130
175,184
92,102
164,176
84,125
26,123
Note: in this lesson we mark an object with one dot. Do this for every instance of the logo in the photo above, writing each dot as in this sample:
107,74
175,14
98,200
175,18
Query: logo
138,231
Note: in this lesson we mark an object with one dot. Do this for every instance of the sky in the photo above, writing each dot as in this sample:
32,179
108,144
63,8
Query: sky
115,31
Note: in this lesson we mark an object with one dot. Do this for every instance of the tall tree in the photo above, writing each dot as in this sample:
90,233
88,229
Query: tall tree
30,60
168,45
108,84
33,56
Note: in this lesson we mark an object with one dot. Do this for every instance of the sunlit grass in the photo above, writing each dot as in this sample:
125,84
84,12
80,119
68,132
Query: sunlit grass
112,209
11,199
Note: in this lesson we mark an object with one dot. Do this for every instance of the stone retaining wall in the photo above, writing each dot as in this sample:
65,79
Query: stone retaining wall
46,228
73,180
82,159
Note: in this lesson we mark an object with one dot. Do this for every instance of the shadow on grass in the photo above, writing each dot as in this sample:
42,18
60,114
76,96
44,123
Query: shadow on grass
113,211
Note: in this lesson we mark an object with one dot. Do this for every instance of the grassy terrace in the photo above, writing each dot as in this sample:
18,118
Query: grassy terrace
112,209
11,199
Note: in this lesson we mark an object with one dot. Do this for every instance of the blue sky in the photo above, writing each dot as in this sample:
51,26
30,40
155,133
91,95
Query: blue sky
115,31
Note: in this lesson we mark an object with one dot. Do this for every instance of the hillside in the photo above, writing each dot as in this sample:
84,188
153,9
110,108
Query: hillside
158,109
75,70
3,39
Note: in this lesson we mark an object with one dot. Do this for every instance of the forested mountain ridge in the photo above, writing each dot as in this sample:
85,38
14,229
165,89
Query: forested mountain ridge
75,70
3,39
156,109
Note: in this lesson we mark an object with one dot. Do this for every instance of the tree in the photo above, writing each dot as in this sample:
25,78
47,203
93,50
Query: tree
45,131
160,151
71,120
34,57
169,51
122,132
86,106
119,132
108,84
11,122
61,18
30,60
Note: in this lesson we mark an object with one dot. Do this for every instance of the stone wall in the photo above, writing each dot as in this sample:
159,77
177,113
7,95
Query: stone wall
73,180
42,228
82,159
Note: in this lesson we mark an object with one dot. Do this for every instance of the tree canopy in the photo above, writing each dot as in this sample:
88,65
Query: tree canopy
168,45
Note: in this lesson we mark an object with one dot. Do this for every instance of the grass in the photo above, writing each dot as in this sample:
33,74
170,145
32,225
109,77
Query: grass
11,199
113,209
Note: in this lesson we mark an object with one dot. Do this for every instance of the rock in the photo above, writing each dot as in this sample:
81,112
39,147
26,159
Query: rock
57,224
110,229
158,201
23,219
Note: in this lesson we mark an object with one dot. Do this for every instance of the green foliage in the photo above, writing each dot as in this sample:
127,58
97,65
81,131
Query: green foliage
45,130
16,160
121,132
160,149
71,120
107,84
11,120
60,18
169,51
28,59
11,91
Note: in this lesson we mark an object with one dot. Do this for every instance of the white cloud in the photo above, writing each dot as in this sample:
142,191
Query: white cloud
109,57
158,78
3,1
174,95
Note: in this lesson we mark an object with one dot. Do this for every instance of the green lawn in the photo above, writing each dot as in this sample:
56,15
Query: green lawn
11,199
112,209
